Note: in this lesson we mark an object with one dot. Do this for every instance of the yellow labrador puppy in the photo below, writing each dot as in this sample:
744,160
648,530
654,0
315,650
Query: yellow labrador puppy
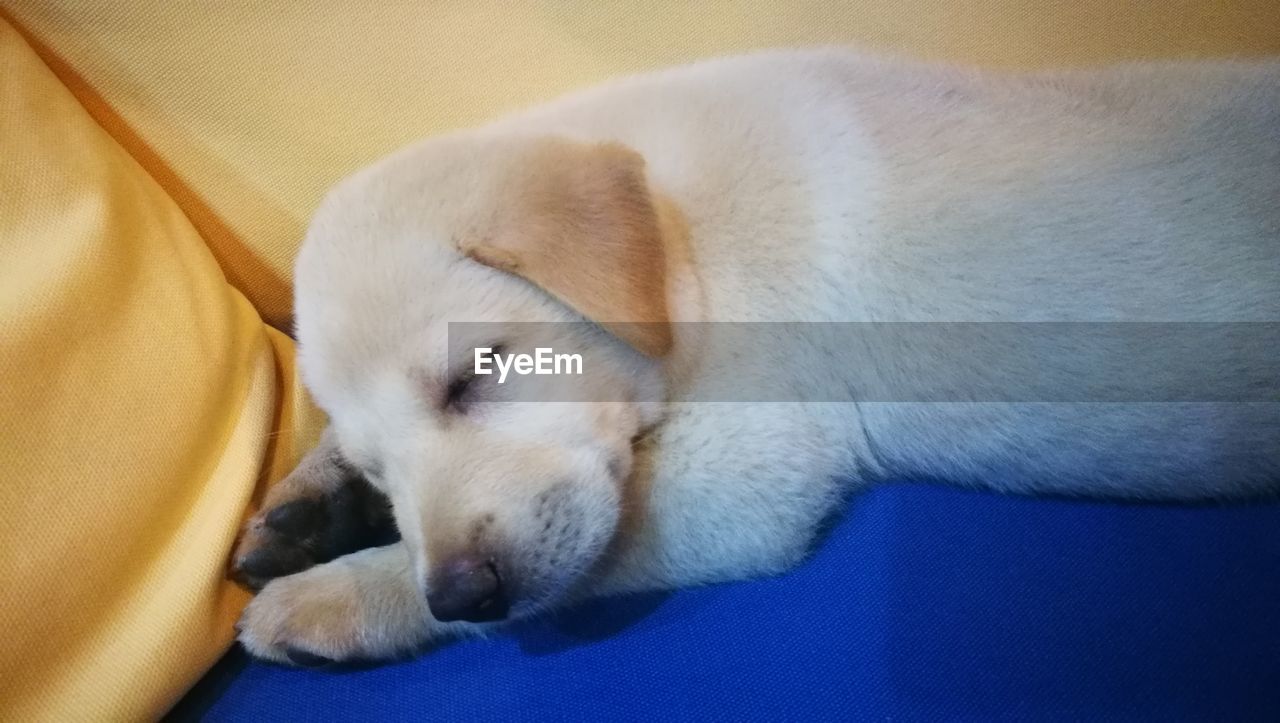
705,239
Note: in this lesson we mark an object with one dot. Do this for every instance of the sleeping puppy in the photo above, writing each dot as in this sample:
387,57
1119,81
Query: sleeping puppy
687,232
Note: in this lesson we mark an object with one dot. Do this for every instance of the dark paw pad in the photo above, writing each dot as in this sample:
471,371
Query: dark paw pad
298,518
297,534
275,560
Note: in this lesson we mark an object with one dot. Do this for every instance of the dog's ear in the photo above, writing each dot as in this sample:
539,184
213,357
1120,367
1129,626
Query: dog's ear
578,221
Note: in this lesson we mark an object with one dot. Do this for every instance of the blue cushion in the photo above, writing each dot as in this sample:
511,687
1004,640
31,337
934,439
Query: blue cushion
923,603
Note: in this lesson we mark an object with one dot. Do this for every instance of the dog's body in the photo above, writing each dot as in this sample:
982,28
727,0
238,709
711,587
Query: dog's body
815,186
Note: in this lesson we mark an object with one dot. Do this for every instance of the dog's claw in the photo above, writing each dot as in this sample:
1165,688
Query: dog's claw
306,659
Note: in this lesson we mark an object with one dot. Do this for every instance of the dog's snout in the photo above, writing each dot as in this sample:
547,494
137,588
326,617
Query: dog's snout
467,587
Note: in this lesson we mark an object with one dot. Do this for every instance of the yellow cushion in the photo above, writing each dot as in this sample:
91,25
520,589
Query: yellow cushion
138,394
258,109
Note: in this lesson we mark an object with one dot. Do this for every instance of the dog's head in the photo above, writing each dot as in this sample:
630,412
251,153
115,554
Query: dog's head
503,498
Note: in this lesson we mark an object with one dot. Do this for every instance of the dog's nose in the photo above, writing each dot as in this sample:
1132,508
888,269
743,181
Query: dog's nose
468,588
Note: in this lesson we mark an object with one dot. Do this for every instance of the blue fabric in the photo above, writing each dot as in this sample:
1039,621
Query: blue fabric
924,603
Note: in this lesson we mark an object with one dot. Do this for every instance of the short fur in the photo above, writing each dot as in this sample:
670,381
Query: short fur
785,186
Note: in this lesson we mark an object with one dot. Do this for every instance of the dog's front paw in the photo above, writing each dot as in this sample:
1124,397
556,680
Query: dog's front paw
363,607
309,619
313,516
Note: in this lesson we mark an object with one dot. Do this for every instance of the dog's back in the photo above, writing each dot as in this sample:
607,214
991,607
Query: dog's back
1142,194
827,186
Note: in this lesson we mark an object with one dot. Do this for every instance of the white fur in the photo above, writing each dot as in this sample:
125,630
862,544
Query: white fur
817,186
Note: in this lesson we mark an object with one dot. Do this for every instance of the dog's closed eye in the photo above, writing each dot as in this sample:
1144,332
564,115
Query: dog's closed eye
458,387
460,384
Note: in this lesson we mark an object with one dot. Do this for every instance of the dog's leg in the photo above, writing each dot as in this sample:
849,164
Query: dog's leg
322,510
360,607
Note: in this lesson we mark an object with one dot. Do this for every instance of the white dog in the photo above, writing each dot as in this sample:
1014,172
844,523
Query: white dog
813,186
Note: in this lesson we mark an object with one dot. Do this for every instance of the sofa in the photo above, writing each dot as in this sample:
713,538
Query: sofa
158,163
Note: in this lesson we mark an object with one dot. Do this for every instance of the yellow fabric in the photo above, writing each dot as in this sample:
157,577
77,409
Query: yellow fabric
138,394
162,144
256,106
